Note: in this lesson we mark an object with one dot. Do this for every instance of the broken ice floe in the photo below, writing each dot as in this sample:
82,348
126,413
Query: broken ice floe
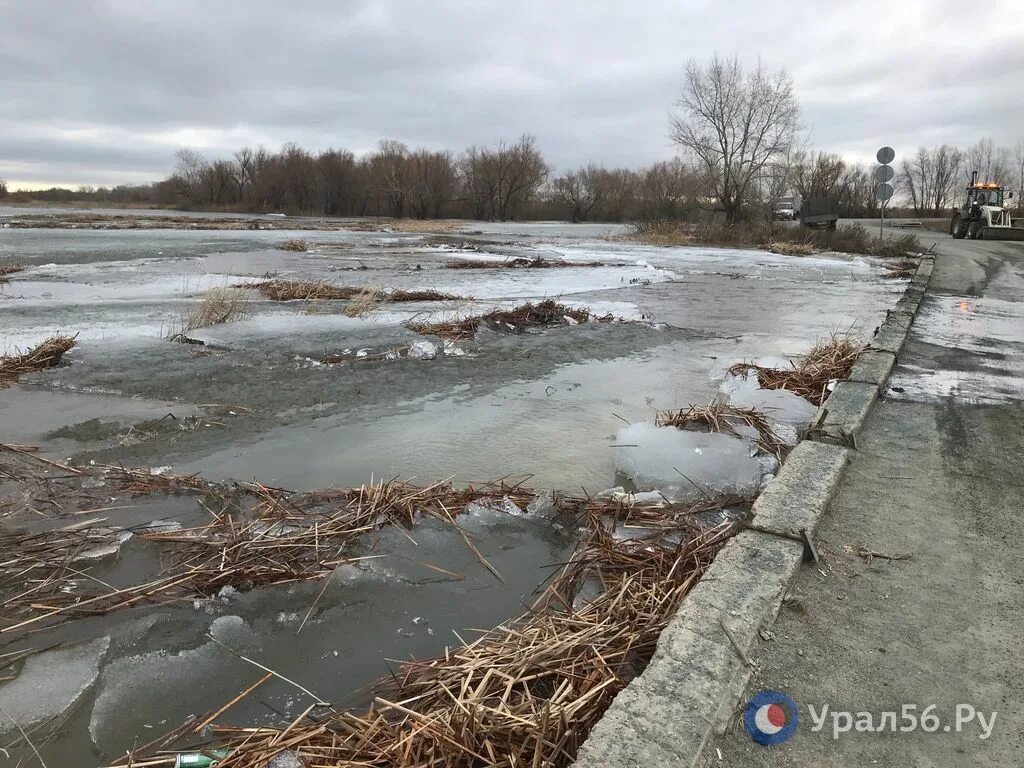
127,681
50,683
686,466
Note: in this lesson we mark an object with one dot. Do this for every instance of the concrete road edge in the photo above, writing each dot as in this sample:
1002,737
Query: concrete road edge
691,687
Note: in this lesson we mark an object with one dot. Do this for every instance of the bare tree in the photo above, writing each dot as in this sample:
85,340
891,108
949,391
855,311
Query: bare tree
618,193
499,182
930,176
431,181
817,174
991,162
669,191
856,192
189,172
581,190
390,175
735,123
3,188
245,169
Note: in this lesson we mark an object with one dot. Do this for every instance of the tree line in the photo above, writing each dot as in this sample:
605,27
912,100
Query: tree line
934,179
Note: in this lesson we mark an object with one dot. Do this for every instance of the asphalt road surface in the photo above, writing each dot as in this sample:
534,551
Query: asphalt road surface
937,482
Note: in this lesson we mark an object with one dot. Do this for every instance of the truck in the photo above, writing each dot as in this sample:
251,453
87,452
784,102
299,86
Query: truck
983,216
787,208
820,213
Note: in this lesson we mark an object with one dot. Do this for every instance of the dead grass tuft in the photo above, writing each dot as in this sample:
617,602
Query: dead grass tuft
721,417
520,262
785,248
827,361
297,245
216,307
10,269
364,302
48,354
422,295
302,290
901,269
321,290
529,315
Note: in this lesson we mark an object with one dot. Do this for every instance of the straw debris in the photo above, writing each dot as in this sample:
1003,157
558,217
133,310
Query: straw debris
520,262
256,536
529,315
216,307
526,693
826,362
785,248
321,290
296,245
901,269
364,302
302,290
721,417
48,354
10,269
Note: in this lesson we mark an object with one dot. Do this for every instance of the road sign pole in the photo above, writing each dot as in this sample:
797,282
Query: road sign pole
884,173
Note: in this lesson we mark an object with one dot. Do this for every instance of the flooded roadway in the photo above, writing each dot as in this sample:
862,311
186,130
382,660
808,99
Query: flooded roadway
254,403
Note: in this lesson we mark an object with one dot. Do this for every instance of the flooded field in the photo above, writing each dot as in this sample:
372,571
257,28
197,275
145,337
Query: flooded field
306,394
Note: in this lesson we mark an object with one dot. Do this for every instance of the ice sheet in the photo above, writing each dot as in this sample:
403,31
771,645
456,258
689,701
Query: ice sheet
687,465
50,683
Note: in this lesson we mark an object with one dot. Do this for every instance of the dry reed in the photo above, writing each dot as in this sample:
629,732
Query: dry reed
364,302
321,290
10,269
302,290
526,693
901,269
520,262
48,354
271,536
529,315
721,417
296,245
216,307
784,248
826,362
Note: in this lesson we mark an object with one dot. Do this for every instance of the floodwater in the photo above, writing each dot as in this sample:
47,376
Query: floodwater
969,347
254,402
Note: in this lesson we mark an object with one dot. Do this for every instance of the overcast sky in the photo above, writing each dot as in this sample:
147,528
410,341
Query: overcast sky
105,91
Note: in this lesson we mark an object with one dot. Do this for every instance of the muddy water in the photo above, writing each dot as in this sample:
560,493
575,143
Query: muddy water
252,403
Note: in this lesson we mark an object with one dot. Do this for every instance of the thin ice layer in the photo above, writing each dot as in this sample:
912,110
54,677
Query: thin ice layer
686,465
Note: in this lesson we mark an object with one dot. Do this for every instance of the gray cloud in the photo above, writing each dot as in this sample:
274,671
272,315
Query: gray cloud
106,91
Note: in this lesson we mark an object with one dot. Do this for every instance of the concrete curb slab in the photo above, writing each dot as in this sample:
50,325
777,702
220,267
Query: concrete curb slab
873,367
666,715
795,500
892,333
842,415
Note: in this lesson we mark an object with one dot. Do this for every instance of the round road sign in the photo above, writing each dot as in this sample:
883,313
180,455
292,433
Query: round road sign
886,155
883,191
884,173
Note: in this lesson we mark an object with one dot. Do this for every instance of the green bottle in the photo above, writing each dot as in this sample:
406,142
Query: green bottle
200,759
